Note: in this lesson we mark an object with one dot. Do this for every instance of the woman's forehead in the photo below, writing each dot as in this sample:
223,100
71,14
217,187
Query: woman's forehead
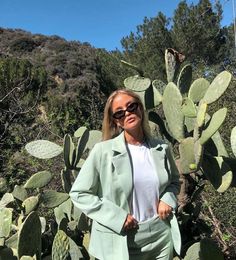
122,100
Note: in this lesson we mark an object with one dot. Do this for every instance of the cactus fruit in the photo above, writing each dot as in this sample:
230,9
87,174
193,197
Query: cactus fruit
38,180
43,149
29,239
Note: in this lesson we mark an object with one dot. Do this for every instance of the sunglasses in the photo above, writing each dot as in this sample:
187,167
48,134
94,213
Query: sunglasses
132,107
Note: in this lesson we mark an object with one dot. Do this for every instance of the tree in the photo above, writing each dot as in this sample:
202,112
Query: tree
196,31
146,47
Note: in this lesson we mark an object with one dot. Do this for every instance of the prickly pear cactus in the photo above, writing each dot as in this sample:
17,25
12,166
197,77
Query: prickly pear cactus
205,249
172,106
61,246
137,83
38,180
30,204
52,199
185,107
5,223
29,240
217,87
3,185
7,254
43,149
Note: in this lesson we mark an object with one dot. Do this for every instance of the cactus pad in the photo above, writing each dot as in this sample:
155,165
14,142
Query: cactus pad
159,85
30,204
215,123
5,222
69,151
79,132
19,193
188,108
233,140
51,198
172,103
137,83
186,151
61,246
185,79
198,89
217,87
38,180
217,172
43,149
95,136
29,240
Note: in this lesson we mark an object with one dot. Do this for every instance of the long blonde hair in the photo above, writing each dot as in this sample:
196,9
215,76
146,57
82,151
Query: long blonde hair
109,127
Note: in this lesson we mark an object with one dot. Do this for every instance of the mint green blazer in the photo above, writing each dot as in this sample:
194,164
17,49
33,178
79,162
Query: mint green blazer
103,188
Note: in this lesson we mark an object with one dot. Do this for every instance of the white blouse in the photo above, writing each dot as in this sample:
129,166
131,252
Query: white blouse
145,196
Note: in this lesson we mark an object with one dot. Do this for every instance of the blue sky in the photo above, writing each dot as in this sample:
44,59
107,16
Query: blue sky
102,23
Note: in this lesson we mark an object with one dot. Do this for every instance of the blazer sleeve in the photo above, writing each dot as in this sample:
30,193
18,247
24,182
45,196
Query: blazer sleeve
169,196
84,195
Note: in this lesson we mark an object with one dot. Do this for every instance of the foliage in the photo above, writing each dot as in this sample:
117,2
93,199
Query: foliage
194,133
18,208
196,31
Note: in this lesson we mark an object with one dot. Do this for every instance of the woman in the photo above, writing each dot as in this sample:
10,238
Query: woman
128,187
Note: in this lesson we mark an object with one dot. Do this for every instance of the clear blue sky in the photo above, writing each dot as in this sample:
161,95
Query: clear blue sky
102,23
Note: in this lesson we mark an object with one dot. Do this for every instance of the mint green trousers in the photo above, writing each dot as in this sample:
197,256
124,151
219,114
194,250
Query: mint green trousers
151,241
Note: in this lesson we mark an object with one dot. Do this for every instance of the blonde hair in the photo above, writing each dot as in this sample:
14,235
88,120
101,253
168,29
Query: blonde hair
109,127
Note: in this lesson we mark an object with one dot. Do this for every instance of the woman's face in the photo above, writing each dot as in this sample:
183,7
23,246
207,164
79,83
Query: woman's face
129,121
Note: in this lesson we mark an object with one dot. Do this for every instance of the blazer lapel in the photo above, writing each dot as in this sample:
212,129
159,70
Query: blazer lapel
121,162
158,155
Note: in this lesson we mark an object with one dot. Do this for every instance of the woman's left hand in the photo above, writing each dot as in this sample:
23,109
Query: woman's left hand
163,210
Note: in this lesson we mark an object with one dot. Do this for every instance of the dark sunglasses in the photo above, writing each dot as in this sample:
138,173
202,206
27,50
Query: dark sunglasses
132,107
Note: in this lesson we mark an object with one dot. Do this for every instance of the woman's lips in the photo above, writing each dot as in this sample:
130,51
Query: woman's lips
130,120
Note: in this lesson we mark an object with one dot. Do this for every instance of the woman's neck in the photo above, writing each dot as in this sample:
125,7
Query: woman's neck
136,138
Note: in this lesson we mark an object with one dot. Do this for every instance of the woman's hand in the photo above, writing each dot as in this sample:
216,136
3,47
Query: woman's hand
163,210
130,223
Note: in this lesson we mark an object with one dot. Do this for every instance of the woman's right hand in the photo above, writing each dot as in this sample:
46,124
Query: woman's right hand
130,223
